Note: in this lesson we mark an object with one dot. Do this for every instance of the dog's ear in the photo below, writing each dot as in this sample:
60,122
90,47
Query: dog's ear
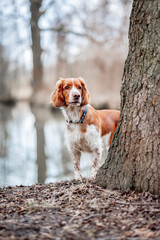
85,93
57,96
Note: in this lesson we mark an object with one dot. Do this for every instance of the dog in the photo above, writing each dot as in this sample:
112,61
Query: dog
88,129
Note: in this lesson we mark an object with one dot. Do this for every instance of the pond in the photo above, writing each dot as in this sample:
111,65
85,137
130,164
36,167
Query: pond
32,146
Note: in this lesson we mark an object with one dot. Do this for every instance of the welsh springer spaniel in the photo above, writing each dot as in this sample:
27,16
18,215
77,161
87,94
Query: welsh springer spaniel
88,129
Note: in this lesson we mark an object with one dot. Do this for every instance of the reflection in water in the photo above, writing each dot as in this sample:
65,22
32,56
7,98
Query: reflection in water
32,146
18,164
40,118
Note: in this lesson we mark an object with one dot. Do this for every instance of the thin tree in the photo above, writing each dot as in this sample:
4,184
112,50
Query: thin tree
36,44
134,156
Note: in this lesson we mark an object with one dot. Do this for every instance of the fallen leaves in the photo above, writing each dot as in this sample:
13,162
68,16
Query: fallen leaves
74,210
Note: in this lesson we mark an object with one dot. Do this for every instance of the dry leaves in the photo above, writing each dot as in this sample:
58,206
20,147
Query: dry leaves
73,210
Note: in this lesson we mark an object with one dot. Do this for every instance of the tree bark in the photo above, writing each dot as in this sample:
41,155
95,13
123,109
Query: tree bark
134,157
36,44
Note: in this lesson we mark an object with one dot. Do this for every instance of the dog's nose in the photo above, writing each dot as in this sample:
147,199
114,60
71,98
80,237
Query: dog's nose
76,96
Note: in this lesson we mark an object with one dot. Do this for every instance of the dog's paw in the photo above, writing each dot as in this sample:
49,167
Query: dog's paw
93,174
78,176
92,177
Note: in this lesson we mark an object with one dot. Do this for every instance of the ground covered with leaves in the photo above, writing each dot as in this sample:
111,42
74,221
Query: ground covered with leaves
74,210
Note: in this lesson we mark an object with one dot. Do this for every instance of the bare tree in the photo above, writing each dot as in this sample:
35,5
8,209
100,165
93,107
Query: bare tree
73,27
134,156
35,6
4,90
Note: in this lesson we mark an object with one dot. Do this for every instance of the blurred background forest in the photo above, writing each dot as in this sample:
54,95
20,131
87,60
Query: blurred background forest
41,41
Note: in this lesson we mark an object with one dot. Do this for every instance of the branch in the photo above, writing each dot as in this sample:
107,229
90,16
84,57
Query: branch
68,31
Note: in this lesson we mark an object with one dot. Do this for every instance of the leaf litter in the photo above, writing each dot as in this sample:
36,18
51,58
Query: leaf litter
75,210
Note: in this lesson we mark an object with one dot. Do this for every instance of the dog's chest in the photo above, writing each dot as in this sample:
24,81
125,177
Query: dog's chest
84,141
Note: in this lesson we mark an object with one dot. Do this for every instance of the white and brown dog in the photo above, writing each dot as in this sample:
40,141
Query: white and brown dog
88,129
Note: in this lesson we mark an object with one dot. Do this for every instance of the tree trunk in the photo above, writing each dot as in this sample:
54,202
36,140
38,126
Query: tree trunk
36,44
5,91
134,157
61,61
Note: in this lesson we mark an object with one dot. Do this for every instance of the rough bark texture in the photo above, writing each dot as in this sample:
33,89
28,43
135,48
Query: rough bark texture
36,44
134,157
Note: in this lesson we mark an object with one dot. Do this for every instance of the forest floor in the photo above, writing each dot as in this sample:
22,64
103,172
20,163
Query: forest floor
74,210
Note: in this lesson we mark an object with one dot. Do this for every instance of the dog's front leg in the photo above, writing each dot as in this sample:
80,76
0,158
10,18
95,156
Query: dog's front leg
76,156
97,154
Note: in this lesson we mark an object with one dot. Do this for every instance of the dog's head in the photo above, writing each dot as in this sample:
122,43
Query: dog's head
70,91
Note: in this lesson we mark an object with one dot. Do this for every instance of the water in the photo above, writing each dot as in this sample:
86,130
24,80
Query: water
32,146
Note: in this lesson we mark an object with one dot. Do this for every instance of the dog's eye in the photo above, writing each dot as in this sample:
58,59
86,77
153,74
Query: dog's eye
67,87
79,87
